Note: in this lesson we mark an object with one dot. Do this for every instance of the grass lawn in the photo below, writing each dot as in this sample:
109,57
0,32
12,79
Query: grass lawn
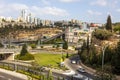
46,59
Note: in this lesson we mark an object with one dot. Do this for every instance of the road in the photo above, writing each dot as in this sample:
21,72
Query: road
55,73
74,67
68,64
6,76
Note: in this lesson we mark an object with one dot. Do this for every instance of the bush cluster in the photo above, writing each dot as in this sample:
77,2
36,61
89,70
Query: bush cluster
102,34
27,56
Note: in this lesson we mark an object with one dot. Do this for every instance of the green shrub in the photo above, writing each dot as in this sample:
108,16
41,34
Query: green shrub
102,34
53,46
57,46
27,56
33,46
42,46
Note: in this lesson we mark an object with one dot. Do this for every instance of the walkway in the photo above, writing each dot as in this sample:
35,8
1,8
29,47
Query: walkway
12,75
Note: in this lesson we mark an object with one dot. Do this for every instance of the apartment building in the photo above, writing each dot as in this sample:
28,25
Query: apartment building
74,35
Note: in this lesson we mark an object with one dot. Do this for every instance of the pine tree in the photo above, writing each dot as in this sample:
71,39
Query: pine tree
24,50
109,23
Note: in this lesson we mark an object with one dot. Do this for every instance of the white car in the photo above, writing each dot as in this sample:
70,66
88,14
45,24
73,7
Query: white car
73,61
81,70
78,76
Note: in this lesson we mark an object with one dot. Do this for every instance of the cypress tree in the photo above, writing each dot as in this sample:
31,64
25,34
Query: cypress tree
24,50
67,55
87,43
109,23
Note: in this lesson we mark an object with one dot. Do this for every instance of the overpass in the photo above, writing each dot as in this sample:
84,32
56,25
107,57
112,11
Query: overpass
51,38
7,54
42,40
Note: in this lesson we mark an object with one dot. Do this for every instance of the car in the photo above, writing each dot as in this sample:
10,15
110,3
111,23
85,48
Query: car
73,61
81,70
77,76
42,69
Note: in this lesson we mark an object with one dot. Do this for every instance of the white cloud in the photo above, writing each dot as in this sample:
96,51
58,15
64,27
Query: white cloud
99,2
108,3
118,10
11,8
45,2
49,11
15,8
55,11
94,12
67,1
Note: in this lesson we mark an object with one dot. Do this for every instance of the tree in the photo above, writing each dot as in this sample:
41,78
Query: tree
59,24
33,46
117,28
67,55
49,76
102,34
65,45
1,45
108,55
87,43
84,45
116,60
93,55
57,46
109,23
24,50
58,78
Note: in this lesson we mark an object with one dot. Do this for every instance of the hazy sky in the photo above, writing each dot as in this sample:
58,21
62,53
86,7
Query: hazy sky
84,10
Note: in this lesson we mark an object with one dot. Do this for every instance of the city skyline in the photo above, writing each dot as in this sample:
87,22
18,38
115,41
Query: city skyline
85,10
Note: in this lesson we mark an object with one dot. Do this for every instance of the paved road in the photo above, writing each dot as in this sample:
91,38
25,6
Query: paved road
10,75
74,67
55,73
4,76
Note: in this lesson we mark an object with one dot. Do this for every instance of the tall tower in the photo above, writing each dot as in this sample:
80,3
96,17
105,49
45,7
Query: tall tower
30,18
24,14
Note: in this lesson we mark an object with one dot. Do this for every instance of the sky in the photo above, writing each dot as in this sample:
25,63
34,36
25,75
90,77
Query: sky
84,10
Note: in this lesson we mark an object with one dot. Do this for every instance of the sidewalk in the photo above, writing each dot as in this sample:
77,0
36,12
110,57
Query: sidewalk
13,73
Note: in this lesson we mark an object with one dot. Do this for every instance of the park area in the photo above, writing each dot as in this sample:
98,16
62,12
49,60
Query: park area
48,60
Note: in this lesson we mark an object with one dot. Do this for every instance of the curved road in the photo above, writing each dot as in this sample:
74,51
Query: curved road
74,67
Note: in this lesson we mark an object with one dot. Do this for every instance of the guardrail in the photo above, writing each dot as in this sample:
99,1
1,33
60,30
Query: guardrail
30,69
